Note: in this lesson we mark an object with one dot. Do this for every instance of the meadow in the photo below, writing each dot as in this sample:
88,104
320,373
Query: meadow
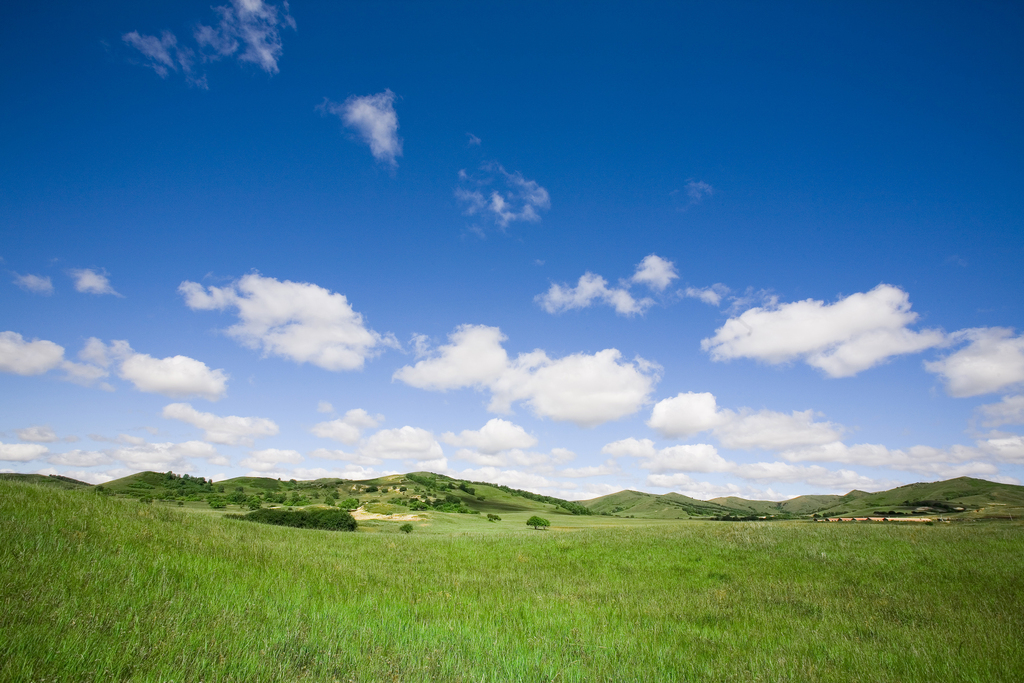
94,587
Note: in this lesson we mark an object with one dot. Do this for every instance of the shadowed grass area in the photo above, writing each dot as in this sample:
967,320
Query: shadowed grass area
97,588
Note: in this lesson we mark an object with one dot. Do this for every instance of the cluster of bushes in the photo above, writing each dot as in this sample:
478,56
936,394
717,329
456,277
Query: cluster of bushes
450,503
332,519
493,518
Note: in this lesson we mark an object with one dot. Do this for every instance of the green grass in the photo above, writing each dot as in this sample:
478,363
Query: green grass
101,588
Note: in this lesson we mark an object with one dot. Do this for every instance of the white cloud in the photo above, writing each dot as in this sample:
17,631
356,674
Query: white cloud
37,434
231,430
712,295
353,458
88,281
269,458
814,475
514,199
589,289
992,361
324,407
655,272
540,463
608,467
581,388
1009,411
405,443
84,374
248,29
841,339
175,376
296,320
37,284
955,461
374,118
21,452
700,457
163,55
79,458
1008,448
161,457
686,414
495,436
349,428
691,413
28,358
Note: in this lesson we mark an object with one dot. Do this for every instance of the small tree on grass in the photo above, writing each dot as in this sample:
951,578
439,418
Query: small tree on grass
406,528
537,522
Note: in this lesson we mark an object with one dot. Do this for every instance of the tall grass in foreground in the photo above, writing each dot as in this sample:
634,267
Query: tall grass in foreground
93,588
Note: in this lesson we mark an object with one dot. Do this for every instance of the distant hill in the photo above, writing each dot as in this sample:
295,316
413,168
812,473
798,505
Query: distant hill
665,506
961,497
964,496
46,480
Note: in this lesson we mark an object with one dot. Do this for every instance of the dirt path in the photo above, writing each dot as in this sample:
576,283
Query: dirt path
361,514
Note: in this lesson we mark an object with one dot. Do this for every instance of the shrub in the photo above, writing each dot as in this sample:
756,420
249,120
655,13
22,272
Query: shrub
493,518
537,522
331,519
406,528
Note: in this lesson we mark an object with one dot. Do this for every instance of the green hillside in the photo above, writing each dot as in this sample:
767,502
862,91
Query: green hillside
45,480
801,505
666,506
976,498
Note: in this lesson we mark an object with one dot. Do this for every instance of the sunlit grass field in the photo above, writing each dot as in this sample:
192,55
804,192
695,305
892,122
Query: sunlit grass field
97,588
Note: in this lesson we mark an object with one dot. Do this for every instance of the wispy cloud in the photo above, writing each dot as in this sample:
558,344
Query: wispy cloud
247,30
89,281
654,272
37,284
501,197
374,118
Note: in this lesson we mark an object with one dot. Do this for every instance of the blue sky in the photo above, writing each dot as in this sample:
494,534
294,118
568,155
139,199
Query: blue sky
722,249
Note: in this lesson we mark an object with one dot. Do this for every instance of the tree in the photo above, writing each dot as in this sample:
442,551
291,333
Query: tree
537,522
406,528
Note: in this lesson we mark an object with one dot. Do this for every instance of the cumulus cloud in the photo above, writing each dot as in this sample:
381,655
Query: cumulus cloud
36,284
324,407
231,430
608,467
497,435
347,429
374,119
655,272
589,289
41,434
21,452
955,461
1006,448
666,464
270,458
28,357
78,458
691,413
248,30
1009,411
175,376
700,457
139,455
89,281
541,463
841,339
587,389
296,320
405,443
502,197
993,360
712,295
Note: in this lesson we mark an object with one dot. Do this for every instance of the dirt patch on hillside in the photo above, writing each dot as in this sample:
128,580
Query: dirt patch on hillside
361,514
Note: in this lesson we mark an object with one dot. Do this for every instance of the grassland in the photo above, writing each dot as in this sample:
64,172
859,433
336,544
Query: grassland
95,587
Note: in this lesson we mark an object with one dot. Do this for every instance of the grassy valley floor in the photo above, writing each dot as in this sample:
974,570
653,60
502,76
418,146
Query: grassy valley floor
100,588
